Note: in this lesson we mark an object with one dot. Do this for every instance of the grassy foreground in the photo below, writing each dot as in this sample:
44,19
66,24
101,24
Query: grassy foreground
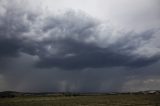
92,100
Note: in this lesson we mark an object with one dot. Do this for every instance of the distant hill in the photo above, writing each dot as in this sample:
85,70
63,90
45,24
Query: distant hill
12,94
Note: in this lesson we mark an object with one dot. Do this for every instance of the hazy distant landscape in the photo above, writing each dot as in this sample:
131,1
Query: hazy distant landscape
146,98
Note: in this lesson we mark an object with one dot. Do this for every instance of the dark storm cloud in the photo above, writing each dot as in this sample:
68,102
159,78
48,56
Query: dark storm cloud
9,47
13,24
37,50
81,55
64,41
75,53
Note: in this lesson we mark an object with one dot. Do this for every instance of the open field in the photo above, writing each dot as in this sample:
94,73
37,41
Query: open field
92,100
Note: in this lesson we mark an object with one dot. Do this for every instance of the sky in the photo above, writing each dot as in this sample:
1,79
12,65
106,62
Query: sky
79,45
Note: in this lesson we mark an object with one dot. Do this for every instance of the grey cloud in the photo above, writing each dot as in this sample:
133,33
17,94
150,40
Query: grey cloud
69,41
9,47
76,53
13,24
37,52
79,55
66,41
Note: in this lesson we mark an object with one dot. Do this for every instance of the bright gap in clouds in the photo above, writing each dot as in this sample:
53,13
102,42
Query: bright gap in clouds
90,7
131,14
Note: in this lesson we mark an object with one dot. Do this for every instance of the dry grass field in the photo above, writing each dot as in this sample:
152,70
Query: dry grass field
92,100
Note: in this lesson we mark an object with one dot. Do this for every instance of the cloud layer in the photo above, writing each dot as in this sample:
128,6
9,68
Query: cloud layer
70,41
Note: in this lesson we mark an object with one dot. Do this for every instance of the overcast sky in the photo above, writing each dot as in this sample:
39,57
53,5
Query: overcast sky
79,45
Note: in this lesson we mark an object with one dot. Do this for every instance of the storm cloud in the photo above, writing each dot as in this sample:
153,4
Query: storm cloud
72,41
